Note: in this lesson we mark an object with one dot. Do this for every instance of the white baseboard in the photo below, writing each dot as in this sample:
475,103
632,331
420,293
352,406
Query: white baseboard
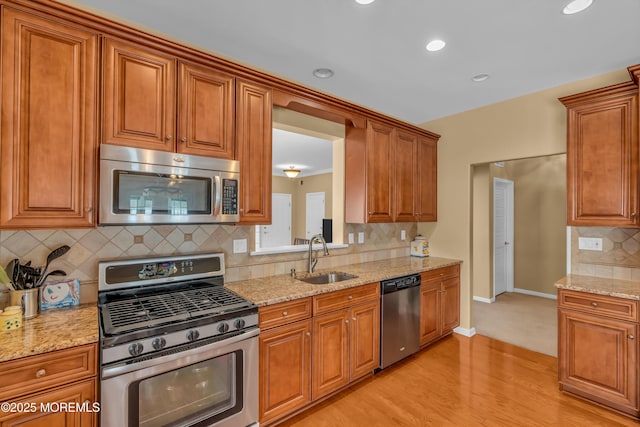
466,332
535,294
486,300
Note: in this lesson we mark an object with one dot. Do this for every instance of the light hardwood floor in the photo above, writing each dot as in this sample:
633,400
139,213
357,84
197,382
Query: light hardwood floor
462,381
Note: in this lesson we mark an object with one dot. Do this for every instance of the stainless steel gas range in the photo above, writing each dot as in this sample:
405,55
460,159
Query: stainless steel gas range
177,347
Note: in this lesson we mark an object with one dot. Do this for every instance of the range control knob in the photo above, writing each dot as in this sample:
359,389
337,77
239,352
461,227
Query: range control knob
136,349
223,327
159,343
193,335
239,324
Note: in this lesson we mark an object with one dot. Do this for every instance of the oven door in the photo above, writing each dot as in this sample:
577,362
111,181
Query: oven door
212,385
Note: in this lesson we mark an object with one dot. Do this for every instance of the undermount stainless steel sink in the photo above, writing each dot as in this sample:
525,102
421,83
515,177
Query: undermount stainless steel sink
326,278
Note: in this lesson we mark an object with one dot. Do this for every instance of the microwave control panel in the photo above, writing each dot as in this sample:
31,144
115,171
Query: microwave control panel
229,197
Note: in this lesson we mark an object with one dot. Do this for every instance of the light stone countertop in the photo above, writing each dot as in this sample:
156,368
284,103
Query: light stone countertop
51,330
629,289
271,290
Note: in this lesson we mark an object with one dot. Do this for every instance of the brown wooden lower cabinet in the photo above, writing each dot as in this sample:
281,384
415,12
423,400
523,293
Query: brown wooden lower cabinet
305,355
598,349
439,303
67,375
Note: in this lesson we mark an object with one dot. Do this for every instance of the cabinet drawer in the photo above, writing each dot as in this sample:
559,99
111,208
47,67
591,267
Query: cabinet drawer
345,298
284,312
35,373
603,305
441,273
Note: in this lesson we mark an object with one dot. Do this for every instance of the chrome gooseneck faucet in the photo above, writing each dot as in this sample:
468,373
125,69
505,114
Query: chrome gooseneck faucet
314,260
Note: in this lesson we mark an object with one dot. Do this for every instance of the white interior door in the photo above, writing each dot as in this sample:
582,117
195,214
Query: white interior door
315,213
502,236
279,232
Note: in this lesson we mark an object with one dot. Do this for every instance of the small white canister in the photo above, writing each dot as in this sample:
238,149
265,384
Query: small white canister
420,247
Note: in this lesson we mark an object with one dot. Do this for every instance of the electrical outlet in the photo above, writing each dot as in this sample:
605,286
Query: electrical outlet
361,237
350,237
240,246
590,243
403,235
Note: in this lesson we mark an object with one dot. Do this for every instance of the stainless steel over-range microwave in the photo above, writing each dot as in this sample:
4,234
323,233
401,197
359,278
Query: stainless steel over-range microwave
139,186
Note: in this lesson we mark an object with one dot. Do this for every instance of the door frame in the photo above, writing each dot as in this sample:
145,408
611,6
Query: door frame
509,218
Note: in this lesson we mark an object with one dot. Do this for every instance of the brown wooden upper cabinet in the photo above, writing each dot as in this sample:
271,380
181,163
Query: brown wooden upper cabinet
254,130
157,101
49,119
602,157
390,175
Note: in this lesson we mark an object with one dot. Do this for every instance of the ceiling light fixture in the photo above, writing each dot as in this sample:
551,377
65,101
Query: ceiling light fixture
480,77
576,6
435,45
292,172
323,73
365,1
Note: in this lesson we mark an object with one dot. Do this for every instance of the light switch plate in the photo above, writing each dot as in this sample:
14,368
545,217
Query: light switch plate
590,243
240,246
350,238
361,237
403,235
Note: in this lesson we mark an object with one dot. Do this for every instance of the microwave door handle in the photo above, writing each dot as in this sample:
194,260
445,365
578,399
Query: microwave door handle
218,196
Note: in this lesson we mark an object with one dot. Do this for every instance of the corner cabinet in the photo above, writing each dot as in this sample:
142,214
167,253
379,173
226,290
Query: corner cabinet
390,175
253,131
48,138
439,303
598,349
603,157
157,101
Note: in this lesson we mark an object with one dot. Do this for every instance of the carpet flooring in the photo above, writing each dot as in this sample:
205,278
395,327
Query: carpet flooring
519,319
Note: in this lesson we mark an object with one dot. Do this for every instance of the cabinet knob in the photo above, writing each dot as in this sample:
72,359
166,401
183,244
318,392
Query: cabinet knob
183,139
350,297
284,313
88,208
633,214
168,137
631,337
346,321
41,373
594,304
353,318
308,334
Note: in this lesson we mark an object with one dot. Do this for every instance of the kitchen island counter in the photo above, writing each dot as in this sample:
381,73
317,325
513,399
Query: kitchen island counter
629,289
272,290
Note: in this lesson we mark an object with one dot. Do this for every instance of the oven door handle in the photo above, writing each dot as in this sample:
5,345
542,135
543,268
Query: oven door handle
181,358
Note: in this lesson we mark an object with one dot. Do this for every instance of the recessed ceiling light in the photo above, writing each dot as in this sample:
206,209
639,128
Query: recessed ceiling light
576,6
435,45
365,1
323,73
480,77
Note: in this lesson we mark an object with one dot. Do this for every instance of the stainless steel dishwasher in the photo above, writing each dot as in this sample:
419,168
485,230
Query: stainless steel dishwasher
400,312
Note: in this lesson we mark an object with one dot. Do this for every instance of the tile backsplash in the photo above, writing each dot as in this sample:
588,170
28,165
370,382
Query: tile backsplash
88,246
619,258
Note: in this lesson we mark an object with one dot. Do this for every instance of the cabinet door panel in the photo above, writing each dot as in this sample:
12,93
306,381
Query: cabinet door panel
285,369
139,97
364,342
430,312
253,122
427,198
598,359
380,160
450,304
330,353
602,162
206,112
49,104
406,179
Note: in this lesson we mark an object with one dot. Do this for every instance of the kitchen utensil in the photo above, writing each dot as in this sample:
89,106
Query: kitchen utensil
4,279
11,271
56,253
51,273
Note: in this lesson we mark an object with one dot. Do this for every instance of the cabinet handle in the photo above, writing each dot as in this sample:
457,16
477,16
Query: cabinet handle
41,373
346,321
308,334
594,304
284,313
88,208
631,337
168,137
353,318
633,214
183,139
350,297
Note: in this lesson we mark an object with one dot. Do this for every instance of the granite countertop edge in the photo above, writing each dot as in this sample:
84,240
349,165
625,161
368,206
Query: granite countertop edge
275,289
627,289
52,330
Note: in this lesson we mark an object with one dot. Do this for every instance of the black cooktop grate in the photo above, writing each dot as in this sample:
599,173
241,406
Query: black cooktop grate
144,311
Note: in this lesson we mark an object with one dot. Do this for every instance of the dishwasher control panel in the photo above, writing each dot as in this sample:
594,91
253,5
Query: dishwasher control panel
399,283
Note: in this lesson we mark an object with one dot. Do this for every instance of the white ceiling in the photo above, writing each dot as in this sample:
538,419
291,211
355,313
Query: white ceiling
377,51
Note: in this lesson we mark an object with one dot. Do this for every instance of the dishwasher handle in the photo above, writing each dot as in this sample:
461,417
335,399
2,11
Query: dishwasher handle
399,283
